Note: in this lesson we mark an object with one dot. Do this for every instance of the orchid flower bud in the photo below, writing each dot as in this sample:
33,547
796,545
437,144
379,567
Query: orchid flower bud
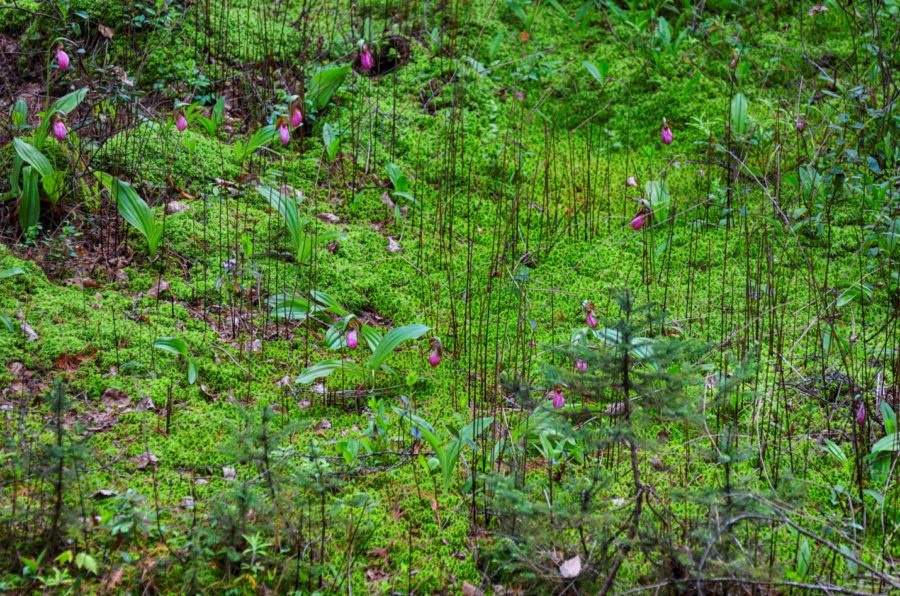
800,125
589,318
284,133
59,130
666,133
62,59
296,116
365,58
352,341
181,122
558,398
631,182
581,365
861,413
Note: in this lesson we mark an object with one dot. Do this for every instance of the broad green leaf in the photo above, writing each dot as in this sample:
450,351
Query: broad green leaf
19,114
890,418
86,561
11,272
657,193
64,557
218,111
53,186
67,103
14,174
392,340
739,117
850,558
594,72
7,322
324,83
64,105
372,336
292,307
803,558
889,443
322,369
30,155
475,428
133,209
287,207
879,498
191,371
398,178
562,11
261,137
329,301
173,345
835,451
30,202
331,140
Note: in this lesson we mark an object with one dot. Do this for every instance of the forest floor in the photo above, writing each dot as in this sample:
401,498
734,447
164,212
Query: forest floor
474,181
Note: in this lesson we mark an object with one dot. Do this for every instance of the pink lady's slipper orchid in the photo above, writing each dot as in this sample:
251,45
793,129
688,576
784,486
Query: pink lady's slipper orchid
296,116
640,219
365,58
666,133
62,59
352,341
435,357
861,413
800,125
581,365
558,398
631,182
284,133
589,317
181,122
59,129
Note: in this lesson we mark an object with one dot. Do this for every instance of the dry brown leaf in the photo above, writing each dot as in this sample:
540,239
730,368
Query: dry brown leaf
329,218
114,578
571,567
28,330
375,575
173,207
324,424
105,31
145,460
159,288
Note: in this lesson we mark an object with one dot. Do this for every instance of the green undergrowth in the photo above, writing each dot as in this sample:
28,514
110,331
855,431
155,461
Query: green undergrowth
516,221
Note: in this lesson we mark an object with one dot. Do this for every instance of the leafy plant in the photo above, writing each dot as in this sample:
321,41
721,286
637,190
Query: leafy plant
740,121
324,84
30,166
260,138
381,351
134,210
446,454
303,242
211,124
331,139
177,346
